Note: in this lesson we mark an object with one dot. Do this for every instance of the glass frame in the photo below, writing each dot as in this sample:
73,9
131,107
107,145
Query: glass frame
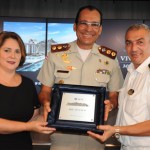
76,126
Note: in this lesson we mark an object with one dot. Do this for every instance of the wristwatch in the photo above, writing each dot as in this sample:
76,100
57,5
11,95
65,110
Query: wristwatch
117,133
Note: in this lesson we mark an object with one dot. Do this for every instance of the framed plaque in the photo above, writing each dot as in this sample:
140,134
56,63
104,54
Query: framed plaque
76,108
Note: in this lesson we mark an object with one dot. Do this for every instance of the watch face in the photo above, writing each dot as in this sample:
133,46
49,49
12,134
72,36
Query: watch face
117,135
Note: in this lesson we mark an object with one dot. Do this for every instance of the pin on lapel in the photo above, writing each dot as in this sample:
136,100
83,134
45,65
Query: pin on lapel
106,62
131,91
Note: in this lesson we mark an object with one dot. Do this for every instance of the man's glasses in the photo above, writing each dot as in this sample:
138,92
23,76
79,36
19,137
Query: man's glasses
84,24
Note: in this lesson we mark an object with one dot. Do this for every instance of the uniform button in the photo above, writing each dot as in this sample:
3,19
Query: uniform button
61,82
131,91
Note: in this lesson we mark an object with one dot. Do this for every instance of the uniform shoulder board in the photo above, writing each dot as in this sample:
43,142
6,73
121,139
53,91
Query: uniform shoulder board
107,52
60,47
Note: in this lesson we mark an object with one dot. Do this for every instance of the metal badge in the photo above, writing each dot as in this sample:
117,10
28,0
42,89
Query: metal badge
113,54
106,62
103,49
131,91
53,47
59,47
65,58
108,52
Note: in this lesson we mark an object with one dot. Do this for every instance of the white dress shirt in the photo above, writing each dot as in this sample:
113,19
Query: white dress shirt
135,108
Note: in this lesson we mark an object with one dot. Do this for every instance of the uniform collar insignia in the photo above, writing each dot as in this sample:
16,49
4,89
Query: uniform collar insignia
60,47
107,52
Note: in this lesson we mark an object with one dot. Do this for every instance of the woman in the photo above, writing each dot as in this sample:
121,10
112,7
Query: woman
18,97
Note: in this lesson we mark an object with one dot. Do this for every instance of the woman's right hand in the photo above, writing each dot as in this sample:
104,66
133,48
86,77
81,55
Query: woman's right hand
40,127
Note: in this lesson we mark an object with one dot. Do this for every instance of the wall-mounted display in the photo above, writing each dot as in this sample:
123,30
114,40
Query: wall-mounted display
39,34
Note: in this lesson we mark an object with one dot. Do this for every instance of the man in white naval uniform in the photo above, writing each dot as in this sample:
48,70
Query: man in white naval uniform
133,120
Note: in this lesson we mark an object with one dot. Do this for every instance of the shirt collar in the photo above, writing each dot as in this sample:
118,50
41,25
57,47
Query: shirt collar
74,48
142,68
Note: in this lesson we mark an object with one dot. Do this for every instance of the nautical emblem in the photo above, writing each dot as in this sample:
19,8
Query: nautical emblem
131,91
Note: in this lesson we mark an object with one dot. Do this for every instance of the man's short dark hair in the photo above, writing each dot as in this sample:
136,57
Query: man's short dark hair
89,7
